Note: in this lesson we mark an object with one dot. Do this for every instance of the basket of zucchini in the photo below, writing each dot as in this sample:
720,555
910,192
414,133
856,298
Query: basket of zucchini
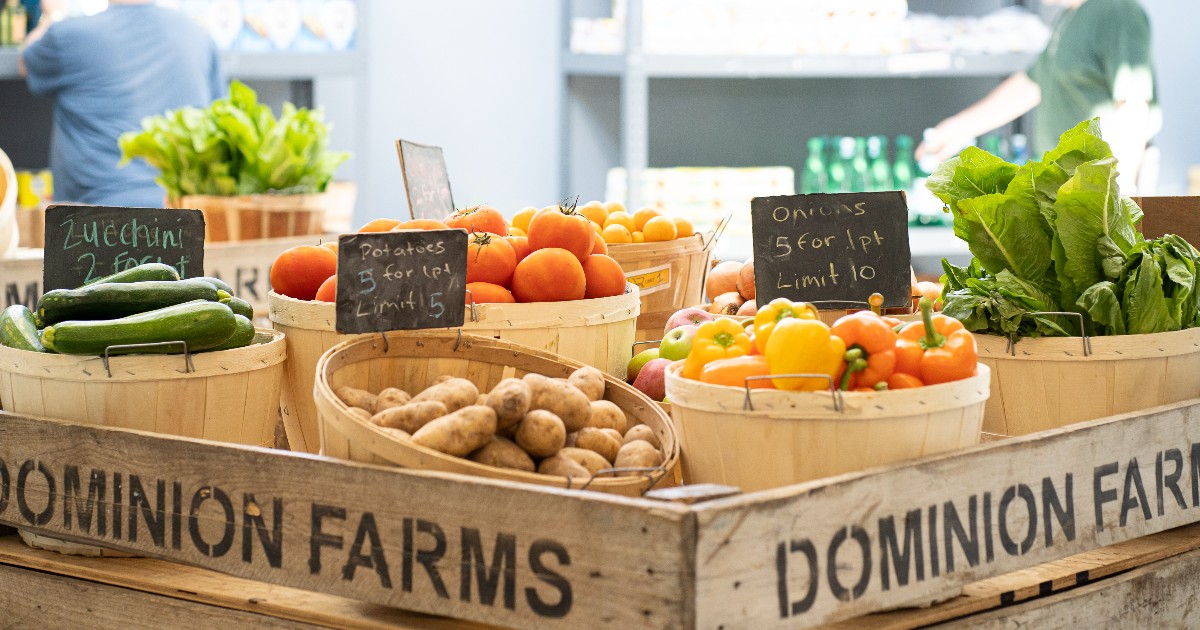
56,360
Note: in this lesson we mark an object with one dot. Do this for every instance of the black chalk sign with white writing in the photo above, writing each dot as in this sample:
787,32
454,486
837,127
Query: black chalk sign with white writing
425,180
86,243
834,250
401,280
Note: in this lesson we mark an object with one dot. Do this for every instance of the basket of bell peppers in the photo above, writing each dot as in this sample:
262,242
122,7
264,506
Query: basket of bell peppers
862,351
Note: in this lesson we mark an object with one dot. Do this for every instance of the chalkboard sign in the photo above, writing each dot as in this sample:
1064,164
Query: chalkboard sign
401,280
425,180
832,249
85,243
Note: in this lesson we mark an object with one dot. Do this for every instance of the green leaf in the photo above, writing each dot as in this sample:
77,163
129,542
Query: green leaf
1145,304
973,173
1004,234
1101,302
1082,143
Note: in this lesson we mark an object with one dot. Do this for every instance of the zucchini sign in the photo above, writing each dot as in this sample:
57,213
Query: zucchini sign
86,243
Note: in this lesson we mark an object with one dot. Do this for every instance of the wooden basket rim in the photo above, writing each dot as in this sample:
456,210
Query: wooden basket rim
1108,348
798,406
312,315
688,245
332,409
267,350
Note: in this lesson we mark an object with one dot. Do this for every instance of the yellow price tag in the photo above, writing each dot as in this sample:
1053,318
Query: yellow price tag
650,280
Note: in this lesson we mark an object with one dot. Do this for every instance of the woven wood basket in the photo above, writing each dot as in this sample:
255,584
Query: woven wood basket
248,217
597,332
791,437
412,362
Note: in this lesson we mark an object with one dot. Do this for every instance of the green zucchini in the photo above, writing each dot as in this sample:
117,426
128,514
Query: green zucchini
241,337
19,330
141,273
216,282
239,306
113,300
201,324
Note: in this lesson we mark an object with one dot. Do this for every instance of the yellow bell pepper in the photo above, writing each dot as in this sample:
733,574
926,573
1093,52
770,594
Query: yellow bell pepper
722,338
804,346
776,311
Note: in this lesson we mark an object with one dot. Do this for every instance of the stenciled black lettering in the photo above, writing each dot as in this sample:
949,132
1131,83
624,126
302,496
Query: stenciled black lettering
84,508
406,557
891,554
176,515
1128,502
1171,481
549,577
1026,494
318,538
806,547
504,567
831,565
989,547
1064,515
934,569
1103,496
952,529
253,522
429,558
118,489
4,486
372,560
155,518
27,513
230,526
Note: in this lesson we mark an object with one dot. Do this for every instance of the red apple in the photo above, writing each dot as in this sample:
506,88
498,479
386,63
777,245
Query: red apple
683,317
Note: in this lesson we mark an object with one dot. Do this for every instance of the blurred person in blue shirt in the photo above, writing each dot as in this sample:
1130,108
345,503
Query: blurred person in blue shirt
105,73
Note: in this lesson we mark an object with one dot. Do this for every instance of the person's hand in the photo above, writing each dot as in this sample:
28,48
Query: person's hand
946,141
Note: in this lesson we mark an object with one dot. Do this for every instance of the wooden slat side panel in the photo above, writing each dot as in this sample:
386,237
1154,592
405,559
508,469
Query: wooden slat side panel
850,545
497,552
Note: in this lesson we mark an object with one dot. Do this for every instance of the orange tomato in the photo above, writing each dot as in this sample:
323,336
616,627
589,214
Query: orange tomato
637,237
490,258
642,216
733,372
600,247
299,271
521,219
328,290
516,231
617,233
562,228
552,274
488,293
332,245
379,225
594,211
683,228
659,229
603,277
622,219
520,245
478,219
421,224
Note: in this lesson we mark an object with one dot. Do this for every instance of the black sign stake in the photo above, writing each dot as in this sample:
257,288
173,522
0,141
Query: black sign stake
832,249
85,243
425,180
401,280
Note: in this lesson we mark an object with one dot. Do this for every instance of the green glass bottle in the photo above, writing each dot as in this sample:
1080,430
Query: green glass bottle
812,178
903,169
991,144
859,177
879,171
839,167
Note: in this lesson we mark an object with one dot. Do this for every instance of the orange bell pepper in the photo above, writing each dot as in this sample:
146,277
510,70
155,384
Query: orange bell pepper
733,372
950,352
908,357
900,380
871,343
722,338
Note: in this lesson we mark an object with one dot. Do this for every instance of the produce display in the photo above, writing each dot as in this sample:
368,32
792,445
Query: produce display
862,351
616,225
549,255
1057,235
560,427
236,146
147,304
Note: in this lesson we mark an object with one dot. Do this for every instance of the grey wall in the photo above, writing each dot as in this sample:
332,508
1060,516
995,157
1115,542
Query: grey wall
1176,53
480,79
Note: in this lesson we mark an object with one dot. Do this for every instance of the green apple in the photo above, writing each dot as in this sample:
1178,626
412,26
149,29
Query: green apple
677,344
638,360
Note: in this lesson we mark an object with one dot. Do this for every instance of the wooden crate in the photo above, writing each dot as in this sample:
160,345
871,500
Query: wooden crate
250,217
516,555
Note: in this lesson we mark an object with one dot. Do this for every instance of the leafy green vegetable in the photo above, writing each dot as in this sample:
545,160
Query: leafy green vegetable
1057,235
236,146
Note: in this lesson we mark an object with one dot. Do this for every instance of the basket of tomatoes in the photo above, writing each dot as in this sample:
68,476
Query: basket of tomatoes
787,398
547,286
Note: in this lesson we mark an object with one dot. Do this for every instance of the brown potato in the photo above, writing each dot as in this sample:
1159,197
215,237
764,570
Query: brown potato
403,435
410,417
605,414
359,412
562,466
354,397
638,454
442,378
599,442
590,460
563,400
459,433
541,433
503,453
455,393
392,397
615,433
641,432
590,381
481,400
510,400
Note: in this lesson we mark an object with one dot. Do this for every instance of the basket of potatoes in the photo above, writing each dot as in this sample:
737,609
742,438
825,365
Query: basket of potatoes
481,406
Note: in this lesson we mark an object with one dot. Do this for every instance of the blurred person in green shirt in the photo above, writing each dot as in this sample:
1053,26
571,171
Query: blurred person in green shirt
1097,63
